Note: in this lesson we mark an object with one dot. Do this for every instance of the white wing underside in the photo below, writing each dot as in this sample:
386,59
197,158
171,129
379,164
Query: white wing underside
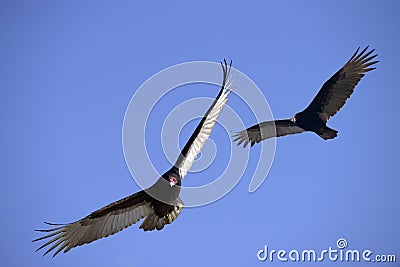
185,163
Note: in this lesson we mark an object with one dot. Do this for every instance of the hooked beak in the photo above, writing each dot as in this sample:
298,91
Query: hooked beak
172,182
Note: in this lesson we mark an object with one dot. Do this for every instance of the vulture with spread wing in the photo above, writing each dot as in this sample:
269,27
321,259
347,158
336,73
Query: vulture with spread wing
159,204
329,100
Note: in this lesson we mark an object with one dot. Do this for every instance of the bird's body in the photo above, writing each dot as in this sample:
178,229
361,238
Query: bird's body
310,121
329,100
159,204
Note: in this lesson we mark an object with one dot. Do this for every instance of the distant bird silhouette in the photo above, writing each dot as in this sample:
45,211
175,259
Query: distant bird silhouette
329,100
159,204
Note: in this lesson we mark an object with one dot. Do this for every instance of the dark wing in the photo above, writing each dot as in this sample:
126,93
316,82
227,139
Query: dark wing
265,130
334,93
106,221
203,130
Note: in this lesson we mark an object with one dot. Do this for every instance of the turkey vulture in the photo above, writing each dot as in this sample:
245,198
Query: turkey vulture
329,100
159,204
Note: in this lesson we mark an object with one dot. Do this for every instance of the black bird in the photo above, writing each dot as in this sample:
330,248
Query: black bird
329,100
159,204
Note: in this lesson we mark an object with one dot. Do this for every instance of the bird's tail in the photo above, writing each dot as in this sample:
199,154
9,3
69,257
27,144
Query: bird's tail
327,133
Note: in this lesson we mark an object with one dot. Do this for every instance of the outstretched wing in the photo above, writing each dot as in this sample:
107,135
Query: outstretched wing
335,91
265,130
203,130
107,221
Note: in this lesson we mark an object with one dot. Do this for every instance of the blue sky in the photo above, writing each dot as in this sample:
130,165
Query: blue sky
69,69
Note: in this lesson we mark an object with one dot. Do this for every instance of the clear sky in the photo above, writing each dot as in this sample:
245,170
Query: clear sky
68,70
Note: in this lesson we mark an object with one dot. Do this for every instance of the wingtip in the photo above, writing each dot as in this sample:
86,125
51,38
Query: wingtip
365,49
225,63
54,224
225,67
239,138
35,240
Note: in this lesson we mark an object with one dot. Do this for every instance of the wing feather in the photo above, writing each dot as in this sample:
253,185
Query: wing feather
101,223
335,91
265,130
203,130
154,221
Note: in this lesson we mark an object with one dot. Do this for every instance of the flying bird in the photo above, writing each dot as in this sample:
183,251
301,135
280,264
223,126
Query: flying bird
159,204
329,100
